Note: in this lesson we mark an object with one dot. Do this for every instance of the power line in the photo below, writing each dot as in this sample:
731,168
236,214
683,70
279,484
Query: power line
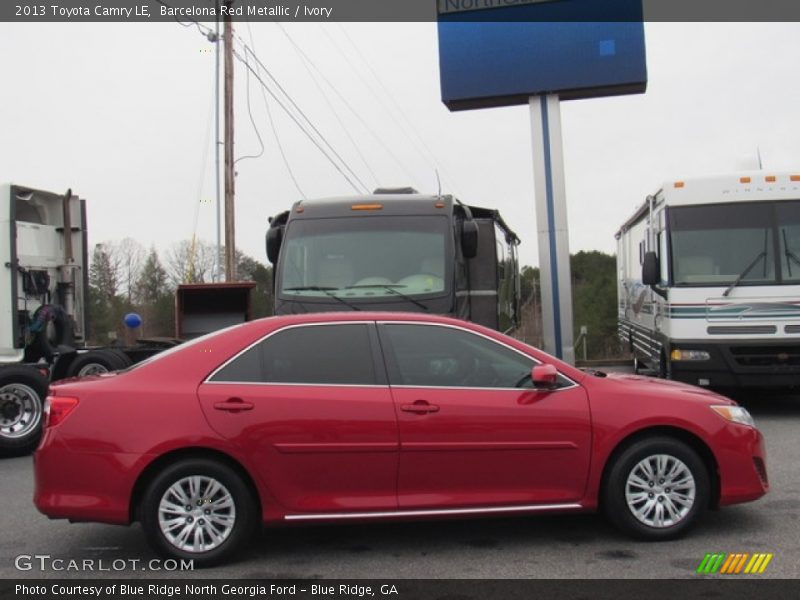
337,166
274,128
425,149
252,120
306,62
302,114
206,31
300,125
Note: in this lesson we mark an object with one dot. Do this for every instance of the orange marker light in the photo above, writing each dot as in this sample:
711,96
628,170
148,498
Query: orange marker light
770,178
744,180
794,177
678,184
439,205
366,207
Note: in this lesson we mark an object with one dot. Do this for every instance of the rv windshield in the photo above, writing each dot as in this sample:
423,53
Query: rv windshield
365,257
747,243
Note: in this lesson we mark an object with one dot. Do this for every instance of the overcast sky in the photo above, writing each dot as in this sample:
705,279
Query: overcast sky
121,113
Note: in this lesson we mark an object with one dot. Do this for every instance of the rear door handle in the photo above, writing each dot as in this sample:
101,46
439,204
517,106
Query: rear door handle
234,405
420,407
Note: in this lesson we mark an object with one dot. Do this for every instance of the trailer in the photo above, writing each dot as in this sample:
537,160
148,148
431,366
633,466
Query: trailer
709,281
44,282
396,250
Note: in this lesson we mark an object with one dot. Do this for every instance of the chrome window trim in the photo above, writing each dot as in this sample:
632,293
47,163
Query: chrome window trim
362,385
486,337
433,512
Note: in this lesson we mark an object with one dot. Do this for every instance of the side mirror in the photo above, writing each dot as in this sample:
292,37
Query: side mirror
544,377
651,272
274,240
469,239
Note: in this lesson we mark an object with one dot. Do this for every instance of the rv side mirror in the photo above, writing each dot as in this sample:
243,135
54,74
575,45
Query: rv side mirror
469,239
274,239
650,269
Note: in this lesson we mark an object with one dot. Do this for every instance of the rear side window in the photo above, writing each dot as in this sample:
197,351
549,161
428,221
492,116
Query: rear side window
317,354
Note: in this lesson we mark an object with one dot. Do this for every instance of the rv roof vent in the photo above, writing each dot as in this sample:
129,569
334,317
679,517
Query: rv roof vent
399,190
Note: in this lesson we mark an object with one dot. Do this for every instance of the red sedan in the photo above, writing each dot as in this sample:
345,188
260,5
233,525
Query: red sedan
345,416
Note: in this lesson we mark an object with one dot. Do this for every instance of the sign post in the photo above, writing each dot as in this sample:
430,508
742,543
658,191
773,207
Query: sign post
539,52
552,230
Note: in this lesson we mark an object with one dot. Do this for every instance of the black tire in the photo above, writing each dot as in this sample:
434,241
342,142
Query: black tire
57,330
22,394
627,464
664,370
245,517
124,360
95,362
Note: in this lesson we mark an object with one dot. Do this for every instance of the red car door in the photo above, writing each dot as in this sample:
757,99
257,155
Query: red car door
314,415
469,437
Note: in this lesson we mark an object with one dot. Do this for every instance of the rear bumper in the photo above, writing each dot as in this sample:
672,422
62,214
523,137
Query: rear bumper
742,460
83,486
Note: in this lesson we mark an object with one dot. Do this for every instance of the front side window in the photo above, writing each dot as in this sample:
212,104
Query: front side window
365,257
428,355
318,354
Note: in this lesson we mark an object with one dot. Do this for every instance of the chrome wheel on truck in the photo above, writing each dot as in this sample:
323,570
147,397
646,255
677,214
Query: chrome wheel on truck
22,393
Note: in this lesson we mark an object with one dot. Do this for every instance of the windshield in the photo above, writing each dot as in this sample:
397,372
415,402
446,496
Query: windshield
747,243
365,257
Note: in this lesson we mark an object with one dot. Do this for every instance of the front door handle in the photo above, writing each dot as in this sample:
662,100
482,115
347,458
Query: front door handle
234,405
420,407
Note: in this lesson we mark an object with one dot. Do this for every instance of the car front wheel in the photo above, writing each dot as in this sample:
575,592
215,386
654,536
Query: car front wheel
656,489
198,509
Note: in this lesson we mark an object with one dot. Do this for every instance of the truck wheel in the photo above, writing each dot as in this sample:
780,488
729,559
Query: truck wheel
198,509
22,393
95,362
124,360
656,489
664,371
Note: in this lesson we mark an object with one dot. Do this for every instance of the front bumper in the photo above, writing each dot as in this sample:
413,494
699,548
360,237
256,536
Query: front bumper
737,363
742,460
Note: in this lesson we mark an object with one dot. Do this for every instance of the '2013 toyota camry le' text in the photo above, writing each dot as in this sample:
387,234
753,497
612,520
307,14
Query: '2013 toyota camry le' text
366,416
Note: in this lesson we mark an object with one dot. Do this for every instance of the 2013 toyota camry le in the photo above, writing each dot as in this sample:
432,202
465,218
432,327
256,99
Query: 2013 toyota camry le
365,416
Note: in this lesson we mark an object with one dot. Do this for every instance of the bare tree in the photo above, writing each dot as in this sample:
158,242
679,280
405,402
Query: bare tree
188,262
130,256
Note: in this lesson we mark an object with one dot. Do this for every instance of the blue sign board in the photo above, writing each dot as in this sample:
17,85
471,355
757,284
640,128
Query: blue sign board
502,56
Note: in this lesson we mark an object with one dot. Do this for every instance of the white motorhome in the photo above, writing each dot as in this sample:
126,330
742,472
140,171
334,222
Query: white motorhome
709,280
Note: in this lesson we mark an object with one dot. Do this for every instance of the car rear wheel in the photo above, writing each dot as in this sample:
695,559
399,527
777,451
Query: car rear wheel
656,489
198,509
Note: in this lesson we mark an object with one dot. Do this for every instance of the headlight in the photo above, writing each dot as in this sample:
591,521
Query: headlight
689,355
735,414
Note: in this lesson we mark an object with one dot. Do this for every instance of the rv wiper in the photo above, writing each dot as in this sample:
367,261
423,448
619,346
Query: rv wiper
328,291
791,256
743,274
390,287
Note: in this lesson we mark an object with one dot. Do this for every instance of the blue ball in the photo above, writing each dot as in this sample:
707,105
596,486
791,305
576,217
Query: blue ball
132,320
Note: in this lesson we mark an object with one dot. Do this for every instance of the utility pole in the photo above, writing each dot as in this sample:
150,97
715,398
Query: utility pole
218,257
230,237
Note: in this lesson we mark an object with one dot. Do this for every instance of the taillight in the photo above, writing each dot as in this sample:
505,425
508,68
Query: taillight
57,408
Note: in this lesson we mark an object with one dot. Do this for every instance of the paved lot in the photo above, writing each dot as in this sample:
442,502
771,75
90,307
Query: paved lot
535,547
